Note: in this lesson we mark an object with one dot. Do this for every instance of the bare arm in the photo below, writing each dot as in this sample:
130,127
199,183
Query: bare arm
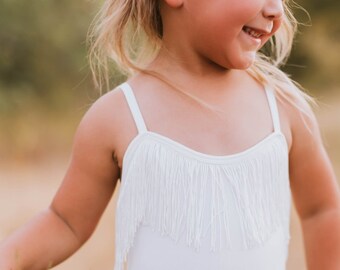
61,229
41,243
316,195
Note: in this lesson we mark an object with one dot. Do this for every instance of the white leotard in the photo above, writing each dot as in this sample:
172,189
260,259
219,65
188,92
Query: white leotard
180,209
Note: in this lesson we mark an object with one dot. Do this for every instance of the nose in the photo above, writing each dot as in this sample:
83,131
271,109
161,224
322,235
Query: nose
273,9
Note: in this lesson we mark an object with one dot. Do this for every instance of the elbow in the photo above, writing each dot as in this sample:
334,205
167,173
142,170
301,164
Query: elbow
79,236
322,212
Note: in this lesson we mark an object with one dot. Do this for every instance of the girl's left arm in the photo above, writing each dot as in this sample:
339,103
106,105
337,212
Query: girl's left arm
315,192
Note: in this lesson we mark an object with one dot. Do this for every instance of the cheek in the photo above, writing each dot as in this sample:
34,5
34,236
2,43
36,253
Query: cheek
218,21
222,14
243,11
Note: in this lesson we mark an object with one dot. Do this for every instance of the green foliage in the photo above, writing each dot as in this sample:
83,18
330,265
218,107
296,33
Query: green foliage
44,75
43,49
315,59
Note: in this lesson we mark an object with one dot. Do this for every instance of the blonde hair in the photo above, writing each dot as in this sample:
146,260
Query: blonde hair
129,33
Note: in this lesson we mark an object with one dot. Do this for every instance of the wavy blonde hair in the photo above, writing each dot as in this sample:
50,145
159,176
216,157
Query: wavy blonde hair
129,34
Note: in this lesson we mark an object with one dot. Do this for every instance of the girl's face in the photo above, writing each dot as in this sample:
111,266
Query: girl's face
230,32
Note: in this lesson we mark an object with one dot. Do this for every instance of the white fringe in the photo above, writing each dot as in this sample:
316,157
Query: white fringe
169,192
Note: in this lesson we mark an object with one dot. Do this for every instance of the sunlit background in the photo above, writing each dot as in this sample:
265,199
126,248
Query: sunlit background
46,87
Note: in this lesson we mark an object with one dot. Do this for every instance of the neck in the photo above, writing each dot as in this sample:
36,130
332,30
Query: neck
184,59
191,72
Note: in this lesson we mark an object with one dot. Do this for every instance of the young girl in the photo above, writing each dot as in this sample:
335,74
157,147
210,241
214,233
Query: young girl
208,138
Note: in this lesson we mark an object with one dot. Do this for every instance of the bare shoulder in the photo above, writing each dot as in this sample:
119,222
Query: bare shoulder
107,118
304,125
296,119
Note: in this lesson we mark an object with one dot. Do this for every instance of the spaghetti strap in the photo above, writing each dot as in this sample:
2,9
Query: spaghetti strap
273,108
134,108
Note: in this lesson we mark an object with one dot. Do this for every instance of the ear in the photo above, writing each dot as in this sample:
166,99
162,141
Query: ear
174,3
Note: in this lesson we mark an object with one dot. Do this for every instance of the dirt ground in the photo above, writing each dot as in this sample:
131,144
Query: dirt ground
29,188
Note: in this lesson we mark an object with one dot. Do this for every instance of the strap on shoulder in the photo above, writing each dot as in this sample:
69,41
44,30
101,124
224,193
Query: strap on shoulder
273,108
134,108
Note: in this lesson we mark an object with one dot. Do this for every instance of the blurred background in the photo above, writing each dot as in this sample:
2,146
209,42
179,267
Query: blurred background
46,87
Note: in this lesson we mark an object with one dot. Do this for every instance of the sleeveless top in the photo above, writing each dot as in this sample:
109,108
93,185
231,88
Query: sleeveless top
180,209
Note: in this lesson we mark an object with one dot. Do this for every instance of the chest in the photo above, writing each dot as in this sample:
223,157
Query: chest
238,129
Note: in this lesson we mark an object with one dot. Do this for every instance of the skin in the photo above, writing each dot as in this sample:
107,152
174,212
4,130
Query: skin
210,65
191,23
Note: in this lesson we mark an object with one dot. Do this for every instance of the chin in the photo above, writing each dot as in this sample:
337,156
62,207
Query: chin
242,65
245,62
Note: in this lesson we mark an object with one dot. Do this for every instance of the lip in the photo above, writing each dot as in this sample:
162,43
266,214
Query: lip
253,42
263,31
263,34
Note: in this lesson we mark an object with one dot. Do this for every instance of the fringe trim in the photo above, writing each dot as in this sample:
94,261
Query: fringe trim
169,192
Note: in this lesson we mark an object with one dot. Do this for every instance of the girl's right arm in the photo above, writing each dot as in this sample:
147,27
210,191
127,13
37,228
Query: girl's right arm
39,244
61,229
